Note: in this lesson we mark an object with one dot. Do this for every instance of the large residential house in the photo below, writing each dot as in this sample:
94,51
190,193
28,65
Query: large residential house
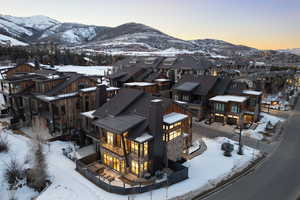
195,91
136,134
231,109
48,101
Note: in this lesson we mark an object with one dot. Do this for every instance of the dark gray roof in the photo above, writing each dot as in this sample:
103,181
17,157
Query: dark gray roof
64,85
119,124
186,62
119,103
187,86
128,104
203,84
140,61
222,86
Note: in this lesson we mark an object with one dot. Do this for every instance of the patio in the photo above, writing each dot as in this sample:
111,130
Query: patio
112,177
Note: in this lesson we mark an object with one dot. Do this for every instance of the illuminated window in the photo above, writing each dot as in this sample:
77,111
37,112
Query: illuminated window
114,162
118,140
134,167
174,134
134,147
145,148
110,138
145,166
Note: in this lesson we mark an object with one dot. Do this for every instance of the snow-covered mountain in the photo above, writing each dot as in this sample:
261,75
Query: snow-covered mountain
134,36
42,28
9,41
293,51
129,37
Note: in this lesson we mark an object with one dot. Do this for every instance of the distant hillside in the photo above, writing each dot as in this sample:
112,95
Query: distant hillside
123,39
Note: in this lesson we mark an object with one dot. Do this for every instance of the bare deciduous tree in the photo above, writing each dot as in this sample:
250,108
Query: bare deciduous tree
37,176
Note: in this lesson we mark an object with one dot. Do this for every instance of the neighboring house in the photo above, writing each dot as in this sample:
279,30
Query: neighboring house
140,73
230,109
135,69
48,101
176,67
15,82
195,91
135,133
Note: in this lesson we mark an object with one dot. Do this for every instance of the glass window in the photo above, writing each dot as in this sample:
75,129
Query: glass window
110,138
134,167
145,166
219,107
173,135
134,147
235,108
145,148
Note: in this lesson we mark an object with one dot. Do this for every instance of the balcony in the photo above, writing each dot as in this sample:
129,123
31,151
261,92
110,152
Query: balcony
114,149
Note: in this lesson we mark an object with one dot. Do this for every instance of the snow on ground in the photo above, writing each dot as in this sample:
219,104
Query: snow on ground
10,41
19,149
204,171
257,133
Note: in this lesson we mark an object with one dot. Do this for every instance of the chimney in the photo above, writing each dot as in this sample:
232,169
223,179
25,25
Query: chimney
101,95
156,129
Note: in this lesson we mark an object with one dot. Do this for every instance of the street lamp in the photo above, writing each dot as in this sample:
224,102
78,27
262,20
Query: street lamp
241,123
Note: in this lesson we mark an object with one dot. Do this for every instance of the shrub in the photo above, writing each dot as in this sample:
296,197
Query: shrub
14,172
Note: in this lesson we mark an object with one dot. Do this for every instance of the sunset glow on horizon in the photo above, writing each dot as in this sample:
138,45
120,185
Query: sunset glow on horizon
263,24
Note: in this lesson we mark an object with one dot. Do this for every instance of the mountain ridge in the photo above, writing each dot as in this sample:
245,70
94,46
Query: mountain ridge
124,38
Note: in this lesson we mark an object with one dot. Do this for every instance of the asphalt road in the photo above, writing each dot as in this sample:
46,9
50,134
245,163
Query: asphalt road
278,178
201,131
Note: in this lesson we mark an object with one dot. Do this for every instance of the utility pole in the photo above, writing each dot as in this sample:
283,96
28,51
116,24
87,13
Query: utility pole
241,121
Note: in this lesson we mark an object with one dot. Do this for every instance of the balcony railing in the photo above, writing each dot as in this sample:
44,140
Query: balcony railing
115,149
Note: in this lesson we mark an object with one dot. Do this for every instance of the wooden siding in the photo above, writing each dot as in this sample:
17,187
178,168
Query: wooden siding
73,87
20,68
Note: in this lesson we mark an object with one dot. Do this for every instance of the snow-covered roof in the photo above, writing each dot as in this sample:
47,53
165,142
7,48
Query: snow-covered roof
86,70
89,114
140,84
88,89
252,92
228,98
143,138
174,117
112,88
53,98
181,102
162,80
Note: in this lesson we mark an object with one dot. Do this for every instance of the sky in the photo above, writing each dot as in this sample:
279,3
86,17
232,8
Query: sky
263,24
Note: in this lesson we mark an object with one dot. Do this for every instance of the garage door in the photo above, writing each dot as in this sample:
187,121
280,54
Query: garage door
231,121
219,119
